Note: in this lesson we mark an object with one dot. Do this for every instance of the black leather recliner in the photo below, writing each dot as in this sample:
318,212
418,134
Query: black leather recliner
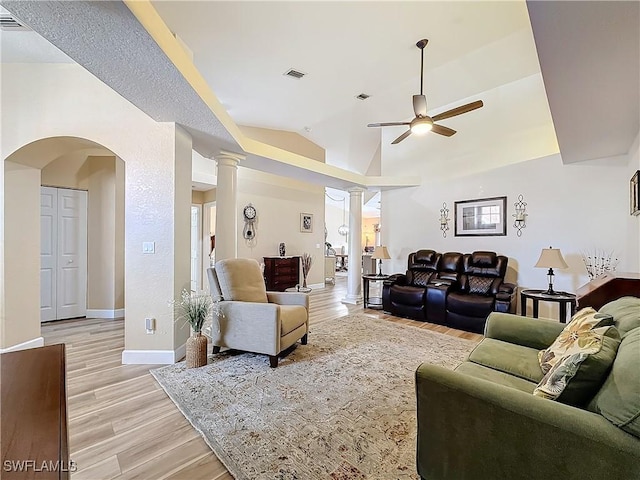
404,295
481,291
453,289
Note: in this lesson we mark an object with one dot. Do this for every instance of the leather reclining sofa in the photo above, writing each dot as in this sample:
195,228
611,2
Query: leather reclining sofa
453,289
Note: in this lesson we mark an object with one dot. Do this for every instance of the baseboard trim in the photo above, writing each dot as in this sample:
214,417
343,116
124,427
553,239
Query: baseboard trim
105,313
34,343
154,357
316,285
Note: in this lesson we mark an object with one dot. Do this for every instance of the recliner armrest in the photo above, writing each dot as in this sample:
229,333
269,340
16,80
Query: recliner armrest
508,288
536,333
289,298
395,279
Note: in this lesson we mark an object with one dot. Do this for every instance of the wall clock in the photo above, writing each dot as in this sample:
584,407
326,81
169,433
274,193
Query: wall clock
250,213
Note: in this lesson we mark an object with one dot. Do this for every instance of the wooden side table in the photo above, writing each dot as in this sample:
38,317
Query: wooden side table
563,298
371,302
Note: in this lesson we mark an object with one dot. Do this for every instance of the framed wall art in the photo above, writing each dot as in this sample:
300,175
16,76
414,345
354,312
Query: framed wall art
481,217
635,193
306,222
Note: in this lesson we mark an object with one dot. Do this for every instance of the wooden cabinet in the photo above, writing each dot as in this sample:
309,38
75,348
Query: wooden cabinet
34,414
281,273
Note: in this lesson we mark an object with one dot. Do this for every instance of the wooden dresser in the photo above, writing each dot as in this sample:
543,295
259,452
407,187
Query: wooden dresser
34,414
281,273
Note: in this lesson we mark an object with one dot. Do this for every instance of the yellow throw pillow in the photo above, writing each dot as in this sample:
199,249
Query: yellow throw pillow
578,336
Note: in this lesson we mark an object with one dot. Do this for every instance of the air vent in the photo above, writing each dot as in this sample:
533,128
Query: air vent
294,73
362,96
10,24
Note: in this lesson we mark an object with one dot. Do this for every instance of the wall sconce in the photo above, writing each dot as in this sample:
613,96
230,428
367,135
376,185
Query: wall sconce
444,219
520,217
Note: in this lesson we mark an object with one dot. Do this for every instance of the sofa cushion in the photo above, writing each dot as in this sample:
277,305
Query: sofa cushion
579,373
241,280
495,376
407,295
469,304
619,398
291,317
509,358
625,312
420,278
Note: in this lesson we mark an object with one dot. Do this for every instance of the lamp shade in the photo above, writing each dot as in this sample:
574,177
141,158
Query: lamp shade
380,253
551,258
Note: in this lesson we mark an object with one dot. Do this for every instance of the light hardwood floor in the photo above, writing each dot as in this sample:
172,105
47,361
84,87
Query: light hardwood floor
121,423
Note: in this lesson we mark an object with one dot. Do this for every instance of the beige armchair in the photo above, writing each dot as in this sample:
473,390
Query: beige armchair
255,320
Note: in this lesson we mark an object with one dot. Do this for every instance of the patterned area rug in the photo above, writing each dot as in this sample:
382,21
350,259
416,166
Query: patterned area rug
342,407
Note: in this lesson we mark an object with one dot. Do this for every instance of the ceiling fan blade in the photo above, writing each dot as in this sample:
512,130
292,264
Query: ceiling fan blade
458,110
401,137
420,105
442,130
388,124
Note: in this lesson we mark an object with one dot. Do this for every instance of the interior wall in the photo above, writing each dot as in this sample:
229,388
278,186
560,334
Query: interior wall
633,222
334,217
21,322
575,208
369,231
76,104
279,202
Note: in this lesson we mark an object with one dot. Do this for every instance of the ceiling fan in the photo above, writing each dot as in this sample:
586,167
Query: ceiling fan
422,122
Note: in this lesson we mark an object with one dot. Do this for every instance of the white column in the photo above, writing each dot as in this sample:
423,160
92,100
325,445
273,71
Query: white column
226,205
354,278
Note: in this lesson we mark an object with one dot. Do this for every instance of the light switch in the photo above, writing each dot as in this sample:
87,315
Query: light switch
148,247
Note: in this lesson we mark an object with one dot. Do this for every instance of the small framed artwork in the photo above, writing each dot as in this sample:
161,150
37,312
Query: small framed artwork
306,222
635,193
481,217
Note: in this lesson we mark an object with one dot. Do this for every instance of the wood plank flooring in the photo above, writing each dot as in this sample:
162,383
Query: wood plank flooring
121,423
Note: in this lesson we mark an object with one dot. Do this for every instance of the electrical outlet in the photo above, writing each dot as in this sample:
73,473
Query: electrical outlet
150,325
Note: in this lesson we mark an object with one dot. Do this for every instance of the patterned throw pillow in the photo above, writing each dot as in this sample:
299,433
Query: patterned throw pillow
589,342
579,334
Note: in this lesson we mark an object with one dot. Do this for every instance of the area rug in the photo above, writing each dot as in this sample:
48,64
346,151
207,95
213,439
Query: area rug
341,407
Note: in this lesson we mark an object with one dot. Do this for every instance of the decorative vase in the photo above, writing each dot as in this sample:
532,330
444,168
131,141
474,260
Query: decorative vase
304,282
196,350
281,249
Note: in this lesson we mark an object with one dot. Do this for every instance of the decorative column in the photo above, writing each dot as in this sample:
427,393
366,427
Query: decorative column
226,205
354,277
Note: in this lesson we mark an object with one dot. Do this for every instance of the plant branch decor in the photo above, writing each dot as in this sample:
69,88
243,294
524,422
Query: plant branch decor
307,261
196,309
598,262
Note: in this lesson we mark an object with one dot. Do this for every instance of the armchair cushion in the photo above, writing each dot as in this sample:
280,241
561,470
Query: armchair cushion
509,358
480,285
495,376
407,295
240,280
469,304
291,317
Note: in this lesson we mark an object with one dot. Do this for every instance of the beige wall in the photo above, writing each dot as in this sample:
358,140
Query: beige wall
279,202
21,322
119,235
197,197
209,196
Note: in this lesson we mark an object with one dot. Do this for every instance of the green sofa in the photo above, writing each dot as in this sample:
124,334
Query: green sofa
481,421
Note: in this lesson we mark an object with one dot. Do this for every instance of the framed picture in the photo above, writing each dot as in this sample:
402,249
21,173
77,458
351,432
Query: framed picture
306,222
635,193
481,217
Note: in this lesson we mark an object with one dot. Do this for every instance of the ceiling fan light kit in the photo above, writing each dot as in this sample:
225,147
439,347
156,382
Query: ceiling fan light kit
423,123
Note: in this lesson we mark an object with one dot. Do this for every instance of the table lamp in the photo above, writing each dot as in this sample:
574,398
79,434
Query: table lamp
380,253
551,258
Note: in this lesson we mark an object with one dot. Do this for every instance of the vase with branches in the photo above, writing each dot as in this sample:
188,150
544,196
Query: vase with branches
196,309
307,261
598,262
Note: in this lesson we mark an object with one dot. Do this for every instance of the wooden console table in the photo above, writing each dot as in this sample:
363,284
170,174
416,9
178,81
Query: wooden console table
281,273
608,288
34,414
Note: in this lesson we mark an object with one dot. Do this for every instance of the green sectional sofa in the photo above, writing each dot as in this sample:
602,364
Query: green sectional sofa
482,421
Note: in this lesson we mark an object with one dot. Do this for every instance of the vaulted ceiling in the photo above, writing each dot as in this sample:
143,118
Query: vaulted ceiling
476,50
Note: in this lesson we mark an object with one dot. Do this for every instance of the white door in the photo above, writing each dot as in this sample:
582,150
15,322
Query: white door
48,250
195,248
63,254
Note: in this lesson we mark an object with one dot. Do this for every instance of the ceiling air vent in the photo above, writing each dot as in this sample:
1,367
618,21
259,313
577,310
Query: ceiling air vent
294,73
362,96
10,24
